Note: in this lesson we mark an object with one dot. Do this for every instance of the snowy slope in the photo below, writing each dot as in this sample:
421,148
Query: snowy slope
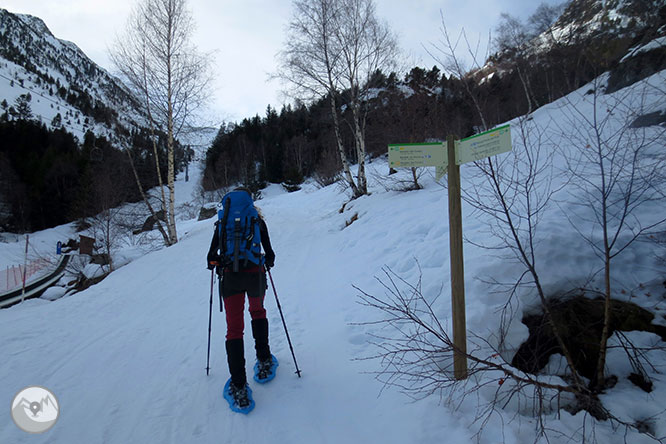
33,61
126,358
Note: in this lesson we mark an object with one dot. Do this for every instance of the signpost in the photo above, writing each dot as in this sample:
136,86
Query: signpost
417,155
470,149
86,245
480,146
25,265
456,265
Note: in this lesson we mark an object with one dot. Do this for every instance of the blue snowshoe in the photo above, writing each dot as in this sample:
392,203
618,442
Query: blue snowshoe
264,371
239,398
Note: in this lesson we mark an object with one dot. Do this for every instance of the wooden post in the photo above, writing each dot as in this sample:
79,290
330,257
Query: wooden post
457,269
25,266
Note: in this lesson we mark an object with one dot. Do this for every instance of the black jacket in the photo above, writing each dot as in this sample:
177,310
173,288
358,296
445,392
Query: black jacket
214,254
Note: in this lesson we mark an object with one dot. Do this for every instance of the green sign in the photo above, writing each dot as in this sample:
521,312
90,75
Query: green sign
417,155
484,145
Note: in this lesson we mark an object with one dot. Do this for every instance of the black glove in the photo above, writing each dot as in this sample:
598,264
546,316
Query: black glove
269,260
212,260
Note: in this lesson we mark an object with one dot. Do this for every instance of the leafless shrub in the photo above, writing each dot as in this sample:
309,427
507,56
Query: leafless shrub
415,354
400,180
614,170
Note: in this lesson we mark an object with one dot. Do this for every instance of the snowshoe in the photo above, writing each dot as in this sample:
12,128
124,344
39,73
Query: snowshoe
239,398
264,371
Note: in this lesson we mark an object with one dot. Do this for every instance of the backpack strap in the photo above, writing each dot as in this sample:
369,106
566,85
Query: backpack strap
237,239
222,232
249,237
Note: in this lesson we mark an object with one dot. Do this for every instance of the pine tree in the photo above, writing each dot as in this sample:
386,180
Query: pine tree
57,121
22,106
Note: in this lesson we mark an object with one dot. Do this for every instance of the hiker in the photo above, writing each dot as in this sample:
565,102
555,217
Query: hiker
240,264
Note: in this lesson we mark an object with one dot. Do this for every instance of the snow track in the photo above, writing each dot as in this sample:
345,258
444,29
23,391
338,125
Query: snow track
126,358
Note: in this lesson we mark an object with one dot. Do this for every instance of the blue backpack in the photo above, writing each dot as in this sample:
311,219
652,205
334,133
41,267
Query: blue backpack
239,234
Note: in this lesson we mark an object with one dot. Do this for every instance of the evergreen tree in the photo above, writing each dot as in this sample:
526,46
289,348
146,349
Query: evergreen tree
56,122
22,107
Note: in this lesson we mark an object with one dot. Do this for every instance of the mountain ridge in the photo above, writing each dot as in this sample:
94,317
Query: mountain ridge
90,98
596,32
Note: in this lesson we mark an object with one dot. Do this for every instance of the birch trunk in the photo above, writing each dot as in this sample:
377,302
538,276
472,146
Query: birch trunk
341,149
171,214
160,228
360,150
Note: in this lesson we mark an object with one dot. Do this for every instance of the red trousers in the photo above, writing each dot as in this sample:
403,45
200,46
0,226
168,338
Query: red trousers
250,281
234,306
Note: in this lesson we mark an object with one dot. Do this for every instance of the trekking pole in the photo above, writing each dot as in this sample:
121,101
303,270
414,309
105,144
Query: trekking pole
210,320
298,372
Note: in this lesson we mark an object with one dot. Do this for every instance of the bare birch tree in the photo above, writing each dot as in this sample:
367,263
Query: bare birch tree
334,46
156,57
514,190
310,63
367,46
614,170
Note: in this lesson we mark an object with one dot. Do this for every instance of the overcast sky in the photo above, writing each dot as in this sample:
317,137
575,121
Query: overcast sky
246,35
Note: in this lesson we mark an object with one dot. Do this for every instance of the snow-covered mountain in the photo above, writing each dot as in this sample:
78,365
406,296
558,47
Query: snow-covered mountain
61,81
615,19
589,37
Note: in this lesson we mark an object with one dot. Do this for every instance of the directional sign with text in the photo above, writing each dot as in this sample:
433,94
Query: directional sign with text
417,155
484,145
473,148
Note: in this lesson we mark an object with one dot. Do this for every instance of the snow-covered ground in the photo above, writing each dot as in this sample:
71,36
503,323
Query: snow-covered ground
126,358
